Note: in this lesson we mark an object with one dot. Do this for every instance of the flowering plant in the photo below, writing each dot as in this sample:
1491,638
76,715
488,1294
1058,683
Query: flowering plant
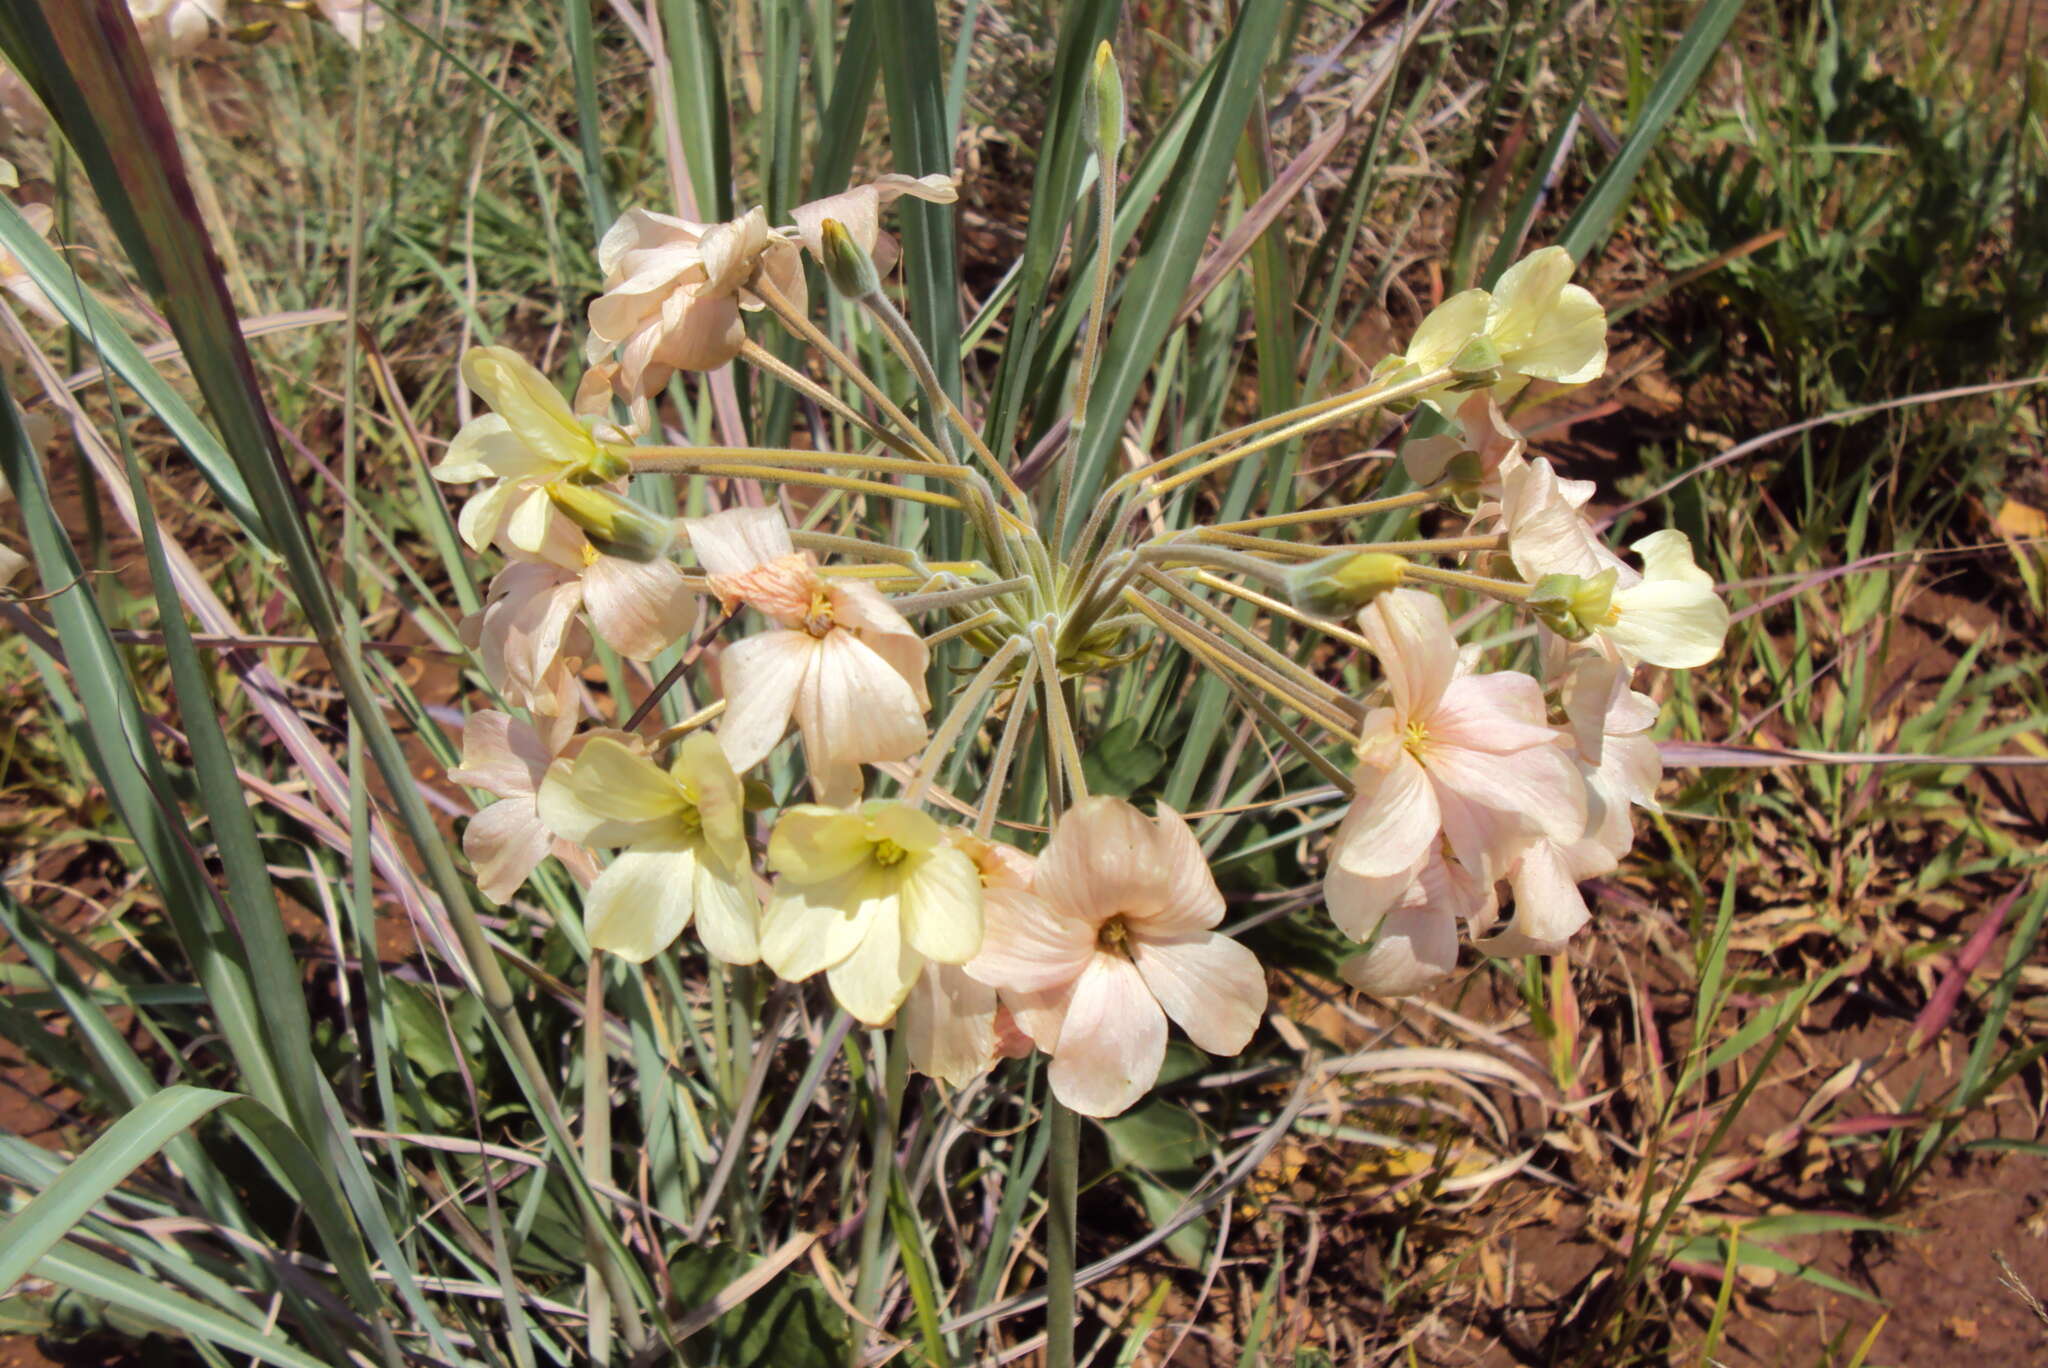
940,700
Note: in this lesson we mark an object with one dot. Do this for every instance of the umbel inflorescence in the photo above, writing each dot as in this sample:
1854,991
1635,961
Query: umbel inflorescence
1469,778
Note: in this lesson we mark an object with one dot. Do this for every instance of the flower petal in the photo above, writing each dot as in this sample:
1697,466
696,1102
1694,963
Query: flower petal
1210,984
949,1025
942,905
1027,944
854,707
1449,326
640,608
1416,948
608,795
532,406
760,676
872,982
504,841
1103,860
728,912
1548,906
1392,820
1410,634
809,927
1111,1042
642,901
738,539
501,755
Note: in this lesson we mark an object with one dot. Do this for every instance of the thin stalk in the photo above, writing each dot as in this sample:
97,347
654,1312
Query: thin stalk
813,479
1091,343
894,1075
1163,553
1272,659
1300,744
1062,1188
1006,750
966,627
810,332
943,739
690,460
1063,738
766,360
1314,515
1190,637
950,598
1478,584
897,329
597,1149
1279,609
1427,546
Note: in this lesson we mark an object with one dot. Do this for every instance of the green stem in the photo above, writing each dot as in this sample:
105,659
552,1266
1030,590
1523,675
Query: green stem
1062,1188
888,1098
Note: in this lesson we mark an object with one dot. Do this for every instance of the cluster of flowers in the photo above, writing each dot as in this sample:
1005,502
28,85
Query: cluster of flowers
1466,780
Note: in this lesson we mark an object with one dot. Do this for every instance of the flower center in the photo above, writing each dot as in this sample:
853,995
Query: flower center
690,819
1112,934
818,619
1413,738
888,853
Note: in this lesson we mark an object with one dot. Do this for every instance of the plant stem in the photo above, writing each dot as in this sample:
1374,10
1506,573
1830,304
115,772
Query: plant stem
888,1084
1062,1187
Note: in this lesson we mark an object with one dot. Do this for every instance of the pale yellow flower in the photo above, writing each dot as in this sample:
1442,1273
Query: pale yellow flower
868,896
685,849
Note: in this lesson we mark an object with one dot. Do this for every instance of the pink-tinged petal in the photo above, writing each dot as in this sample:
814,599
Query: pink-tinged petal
501,755
641,229
1392,821
700,334
1492,713
1111,1042
1208,983
1189,900
505,841
760,676
738,539
642,901
640,608
1027,944
1548,906
1038,1016
853,707
1547,534
1415,949
884,631
1483,839
1103,861
949,1025
1357,903
872,982
1541,784
1410,633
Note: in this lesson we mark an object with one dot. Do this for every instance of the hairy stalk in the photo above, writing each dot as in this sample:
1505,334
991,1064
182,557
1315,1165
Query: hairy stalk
1273,660
1316,515
966,627
1195,642
768,361
964,704
1503,590
1296,742
794,319
951,598
1065,743
1006,749
1091,344
1184,553
1279,609
597,1147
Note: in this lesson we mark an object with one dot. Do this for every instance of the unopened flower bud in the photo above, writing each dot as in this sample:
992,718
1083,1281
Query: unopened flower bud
615,525
1343,583
847,265
1573,606
1105,99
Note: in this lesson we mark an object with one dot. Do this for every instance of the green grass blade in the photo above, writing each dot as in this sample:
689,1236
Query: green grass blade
95,1275
1592,220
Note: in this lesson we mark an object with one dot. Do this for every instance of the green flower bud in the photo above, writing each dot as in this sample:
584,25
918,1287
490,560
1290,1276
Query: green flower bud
847,265
1343,583
1105,101
615,525
1572,606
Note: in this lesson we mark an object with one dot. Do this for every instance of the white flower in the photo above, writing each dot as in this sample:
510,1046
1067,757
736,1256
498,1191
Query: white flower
1670,615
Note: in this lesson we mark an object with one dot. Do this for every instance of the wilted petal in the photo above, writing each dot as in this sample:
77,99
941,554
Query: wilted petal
504,841
1208,983
501,755
640,608
1112,1040
642,901
1416,947
1548,906
949,1025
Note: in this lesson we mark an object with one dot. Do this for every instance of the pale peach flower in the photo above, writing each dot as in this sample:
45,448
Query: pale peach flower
685,848
953,1026
506,839
1115,935
859,211
531,644
1411,938
869,896
1482,430
178,25
1458,760
674,291
841,663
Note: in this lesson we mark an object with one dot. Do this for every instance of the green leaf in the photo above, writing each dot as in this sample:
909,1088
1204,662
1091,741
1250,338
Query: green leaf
1122,760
